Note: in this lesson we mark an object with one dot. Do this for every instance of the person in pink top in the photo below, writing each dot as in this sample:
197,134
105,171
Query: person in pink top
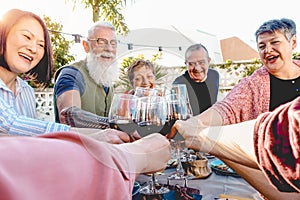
267,155
275,83
67,166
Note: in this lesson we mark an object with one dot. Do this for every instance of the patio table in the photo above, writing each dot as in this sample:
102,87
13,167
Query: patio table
210,187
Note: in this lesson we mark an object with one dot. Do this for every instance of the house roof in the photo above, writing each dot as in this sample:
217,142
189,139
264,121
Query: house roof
235,49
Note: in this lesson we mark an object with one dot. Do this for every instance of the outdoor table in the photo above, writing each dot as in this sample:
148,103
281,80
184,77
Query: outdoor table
210,187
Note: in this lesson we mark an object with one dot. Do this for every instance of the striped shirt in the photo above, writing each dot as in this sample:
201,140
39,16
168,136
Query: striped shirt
18,113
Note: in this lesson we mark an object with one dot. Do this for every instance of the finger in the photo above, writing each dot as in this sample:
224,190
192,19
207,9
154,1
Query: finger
121,135
136,135
172,133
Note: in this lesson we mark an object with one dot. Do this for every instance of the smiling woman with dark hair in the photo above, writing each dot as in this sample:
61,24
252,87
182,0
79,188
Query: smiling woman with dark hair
43,70
25,47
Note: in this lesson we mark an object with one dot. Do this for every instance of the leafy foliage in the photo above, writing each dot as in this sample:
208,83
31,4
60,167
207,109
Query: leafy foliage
240,68
107,11
61,46
123,79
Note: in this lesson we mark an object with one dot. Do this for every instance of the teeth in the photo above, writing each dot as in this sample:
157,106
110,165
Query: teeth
25,56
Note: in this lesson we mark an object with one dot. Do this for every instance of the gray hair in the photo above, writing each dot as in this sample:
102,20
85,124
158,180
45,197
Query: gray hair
195,47
100,24
286,26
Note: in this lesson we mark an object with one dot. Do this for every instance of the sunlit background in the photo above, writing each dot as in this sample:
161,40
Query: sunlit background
221,18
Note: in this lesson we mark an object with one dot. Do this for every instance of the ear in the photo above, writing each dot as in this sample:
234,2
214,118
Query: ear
209,59
86,46
294,42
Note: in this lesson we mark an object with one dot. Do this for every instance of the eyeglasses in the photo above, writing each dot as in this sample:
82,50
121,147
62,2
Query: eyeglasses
101,42
194,64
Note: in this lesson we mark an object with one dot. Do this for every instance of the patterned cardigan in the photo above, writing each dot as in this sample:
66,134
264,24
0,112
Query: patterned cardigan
248,99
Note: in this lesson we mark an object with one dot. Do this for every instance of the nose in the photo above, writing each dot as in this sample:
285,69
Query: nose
32,47
108,47
145,81
268,48
197,66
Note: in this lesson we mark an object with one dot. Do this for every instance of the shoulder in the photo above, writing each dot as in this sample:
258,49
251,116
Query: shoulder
213,73
68,69
181,78
24,84
297,62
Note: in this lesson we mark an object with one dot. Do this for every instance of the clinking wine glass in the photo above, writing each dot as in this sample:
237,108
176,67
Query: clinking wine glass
178,149
150,117
142,92
122,113
177,109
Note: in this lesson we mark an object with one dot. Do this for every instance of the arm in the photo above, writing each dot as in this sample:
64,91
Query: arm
14,124
68,91
268,163
221,141
258,180
210,117
76,117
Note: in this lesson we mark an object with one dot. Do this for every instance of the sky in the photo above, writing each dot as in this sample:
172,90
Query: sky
222,18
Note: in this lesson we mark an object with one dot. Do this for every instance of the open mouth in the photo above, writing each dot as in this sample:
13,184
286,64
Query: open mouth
29,58
272,58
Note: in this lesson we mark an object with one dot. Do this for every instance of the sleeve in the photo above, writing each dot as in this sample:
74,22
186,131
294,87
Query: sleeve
277,146
14,124
76,117
237,105
87,169
69,78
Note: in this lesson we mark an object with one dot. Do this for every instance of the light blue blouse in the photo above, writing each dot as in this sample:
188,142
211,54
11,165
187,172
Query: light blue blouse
18,113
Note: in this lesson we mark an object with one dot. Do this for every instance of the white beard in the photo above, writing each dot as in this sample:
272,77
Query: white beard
105,73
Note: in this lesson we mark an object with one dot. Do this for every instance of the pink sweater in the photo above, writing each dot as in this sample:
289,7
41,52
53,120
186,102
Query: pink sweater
64,166
248,99
277,146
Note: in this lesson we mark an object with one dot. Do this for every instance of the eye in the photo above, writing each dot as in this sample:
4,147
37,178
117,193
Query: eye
275,42
27,36
261,47
41,44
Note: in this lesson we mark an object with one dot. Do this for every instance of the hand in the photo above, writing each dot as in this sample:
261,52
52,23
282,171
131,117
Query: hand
150,153
107,135
134,136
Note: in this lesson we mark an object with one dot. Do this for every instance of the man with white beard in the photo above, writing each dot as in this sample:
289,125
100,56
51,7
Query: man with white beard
83,90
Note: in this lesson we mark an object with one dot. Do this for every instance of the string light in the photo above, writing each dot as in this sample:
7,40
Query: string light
130,46
77,39
160,47
76,36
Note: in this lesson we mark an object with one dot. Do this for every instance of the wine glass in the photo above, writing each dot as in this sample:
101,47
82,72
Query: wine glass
151,115
178,148
122,113
181,91
142,91
177,109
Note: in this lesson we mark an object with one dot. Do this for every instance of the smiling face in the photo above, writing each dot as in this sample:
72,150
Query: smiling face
276,52
197,62
106,54
25,45
143,77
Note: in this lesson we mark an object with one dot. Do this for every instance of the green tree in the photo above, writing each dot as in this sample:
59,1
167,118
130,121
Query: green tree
107,10
61,46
